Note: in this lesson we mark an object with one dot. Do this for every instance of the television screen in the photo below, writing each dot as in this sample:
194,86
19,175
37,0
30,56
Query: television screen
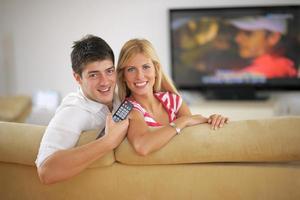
216,48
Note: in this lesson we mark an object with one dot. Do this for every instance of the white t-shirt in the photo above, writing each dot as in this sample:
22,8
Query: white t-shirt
76,113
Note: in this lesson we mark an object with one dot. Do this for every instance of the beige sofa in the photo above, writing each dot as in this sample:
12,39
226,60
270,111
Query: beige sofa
254,159
15,108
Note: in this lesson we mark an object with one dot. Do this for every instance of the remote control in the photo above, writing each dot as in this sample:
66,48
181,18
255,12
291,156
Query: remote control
121,113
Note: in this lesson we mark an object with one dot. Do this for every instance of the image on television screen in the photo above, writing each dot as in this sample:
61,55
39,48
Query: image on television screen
250,46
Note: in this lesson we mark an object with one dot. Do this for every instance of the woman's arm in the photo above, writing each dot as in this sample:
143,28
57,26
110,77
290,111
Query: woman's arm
216,121
146,140
184,110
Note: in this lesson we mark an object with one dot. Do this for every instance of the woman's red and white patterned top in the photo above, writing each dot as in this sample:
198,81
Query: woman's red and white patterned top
170,101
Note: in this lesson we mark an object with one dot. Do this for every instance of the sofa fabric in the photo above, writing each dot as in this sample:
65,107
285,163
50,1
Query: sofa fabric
19,143
253,159
239,141
15,108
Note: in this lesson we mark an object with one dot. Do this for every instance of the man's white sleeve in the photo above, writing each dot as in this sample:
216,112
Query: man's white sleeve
64,131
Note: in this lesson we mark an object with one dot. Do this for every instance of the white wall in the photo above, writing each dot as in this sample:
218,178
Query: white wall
36,36
2,70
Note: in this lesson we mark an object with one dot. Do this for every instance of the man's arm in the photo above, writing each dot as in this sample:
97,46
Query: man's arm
65,164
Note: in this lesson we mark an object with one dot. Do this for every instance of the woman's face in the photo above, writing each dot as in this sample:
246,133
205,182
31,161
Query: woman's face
139,75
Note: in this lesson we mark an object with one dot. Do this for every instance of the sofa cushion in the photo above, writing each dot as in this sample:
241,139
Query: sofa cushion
268,140
19,143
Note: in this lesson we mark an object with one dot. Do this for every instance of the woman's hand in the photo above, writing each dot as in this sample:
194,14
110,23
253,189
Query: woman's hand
196,119
217,121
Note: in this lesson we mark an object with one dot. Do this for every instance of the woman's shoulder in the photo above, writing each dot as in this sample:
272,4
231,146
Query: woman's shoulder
136,105
166,95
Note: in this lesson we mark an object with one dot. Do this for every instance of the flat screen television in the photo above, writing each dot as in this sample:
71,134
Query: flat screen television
234,52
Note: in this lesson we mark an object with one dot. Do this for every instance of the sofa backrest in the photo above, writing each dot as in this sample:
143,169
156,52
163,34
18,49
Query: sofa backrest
264,140
19,143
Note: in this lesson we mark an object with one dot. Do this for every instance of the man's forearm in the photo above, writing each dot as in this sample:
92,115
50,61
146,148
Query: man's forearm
64,164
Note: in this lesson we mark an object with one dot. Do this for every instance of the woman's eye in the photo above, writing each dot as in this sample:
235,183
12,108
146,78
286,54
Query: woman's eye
146,66
130,69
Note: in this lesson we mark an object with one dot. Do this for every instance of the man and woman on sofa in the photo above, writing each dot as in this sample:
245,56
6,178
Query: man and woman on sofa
158,108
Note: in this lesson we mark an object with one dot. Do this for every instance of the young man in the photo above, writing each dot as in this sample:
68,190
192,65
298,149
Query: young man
89,108
259,39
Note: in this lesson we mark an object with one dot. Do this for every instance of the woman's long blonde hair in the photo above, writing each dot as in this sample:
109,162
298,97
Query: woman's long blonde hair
128,51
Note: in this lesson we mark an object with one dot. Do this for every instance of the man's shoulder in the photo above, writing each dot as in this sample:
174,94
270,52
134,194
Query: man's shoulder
73,114
72,108
76,101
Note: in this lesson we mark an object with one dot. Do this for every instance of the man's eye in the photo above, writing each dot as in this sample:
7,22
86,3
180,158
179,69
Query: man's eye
93,75
247,33
110,71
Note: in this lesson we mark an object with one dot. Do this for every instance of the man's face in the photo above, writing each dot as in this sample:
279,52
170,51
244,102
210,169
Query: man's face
252,43
98,81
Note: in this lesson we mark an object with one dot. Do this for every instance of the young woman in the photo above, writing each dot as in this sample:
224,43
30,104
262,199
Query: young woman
159,112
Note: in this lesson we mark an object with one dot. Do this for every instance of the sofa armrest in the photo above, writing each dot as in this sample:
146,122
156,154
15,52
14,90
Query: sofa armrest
266,140
19,143
15,108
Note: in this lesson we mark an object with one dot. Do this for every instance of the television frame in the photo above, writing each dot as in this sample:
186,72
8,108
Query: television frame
231,90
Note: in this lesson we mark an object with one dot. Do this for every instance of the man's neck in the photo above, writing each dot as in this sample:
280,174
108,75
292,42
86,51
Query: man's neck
109,105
